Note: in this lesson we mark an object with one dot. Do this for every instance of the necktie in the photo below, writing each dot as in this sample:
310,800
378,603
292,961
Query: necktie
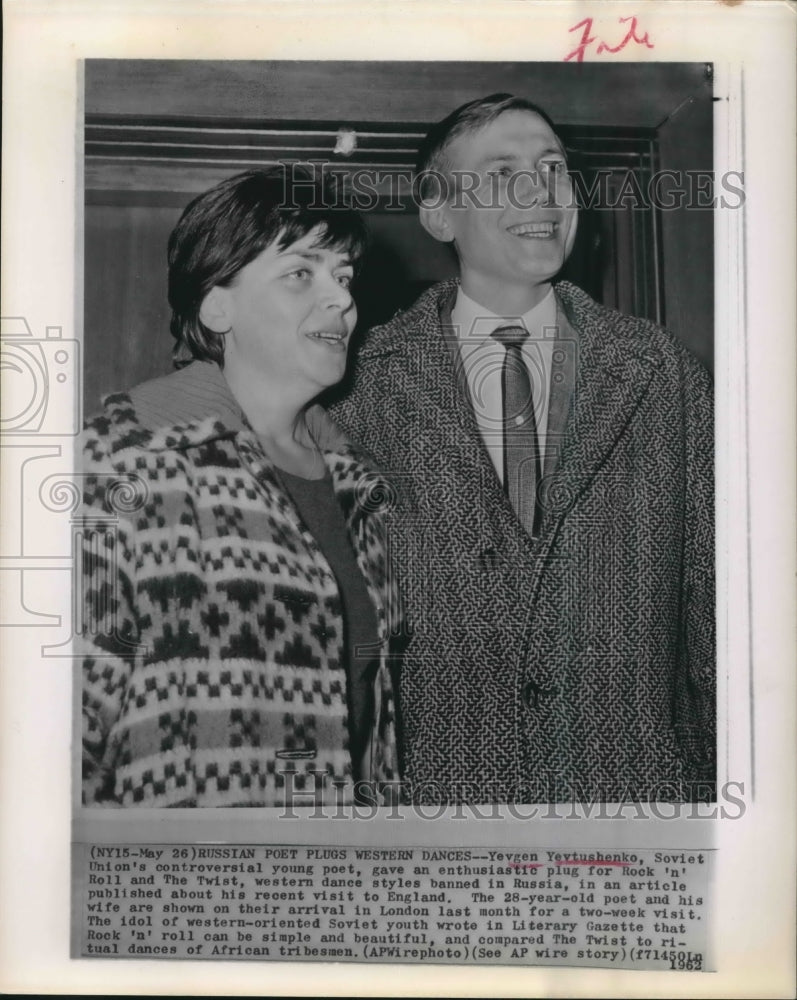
521,447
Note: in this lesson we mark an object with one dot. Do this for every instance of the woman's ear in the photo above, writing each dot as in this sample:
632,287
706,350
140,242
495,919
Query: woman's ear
434,219
214,311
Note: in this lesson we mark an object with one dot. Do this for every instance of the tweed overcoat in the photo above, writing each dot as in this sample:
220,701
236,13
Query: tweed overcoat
578,665
213,671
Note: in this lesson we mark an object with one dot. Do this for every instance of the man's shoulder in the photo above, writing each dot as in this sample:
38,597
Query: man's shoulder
626,335
585,314
422,317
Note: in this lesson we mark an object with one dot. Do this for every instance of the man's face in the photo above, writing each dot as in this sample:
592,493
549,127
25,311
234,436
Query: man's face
291,315
512,217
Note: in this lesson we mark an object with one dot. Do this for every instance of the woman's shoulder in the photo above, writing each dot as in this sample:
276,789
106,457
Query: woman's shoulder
162,407
115,421
186,396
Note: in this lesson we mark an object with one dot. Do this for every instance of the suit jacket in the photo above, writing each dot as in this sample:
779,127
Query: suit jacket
578,665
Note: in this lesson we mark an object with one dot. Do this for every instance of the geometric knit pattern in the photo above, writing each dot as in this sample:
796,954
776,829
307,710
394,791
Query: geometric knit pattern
578,665
213,670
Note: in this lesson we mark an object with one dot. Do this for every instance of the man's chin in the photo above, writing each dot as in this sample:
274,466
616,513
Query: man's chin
542,273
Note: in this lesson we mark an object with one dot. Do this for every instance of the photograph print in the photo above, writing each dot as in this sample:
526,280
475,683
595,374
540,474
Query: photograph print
398,454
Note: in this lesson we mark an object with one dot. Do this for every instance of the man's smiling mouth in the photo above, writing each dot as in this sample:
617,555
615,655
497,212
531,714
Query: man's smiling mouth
534,230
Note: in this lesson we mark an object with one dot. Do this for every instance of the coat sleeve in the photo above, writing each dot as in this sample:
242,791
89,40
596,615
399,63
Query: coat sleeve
107,633
699,570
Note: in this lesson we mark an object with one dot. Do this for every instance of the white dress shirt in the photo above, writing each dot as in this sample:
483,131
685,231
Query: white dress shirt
483,360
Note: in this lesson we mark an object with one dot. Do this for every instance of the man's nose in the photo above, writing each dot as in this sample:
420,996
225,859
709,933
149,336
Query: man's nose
527,188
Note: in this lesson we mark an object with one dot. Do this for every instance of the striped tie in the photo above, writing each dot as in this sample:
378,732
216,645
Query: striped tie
521,447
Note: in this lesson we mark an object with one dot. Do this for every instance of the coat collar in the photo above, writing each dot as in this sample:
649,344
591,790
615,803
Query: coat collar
194,406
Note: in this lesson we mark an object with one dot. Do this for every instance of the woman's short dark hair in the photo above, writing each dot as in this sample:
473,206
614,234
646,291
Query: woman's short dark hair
224,229
432,161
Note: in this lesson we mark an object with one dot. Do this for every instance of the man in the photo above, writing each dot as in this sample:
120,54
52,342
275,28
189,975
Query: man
553,519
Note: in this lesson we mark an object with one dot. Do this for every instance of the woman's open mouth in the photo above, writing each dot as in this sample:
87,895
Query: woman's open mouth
335,337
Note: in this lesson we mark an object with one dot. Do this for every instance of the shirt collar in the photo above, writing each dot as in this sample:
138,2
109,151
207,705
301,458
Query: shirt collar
474,323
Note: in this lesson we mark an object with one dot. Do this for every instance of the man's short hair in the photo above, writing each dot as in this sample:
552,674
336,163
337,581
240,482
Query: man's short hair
224,229
432,160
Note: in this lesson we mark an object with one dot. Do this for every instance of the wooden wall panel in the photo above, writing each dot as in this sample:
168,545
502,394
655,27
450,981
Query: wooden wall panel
126,328
635,94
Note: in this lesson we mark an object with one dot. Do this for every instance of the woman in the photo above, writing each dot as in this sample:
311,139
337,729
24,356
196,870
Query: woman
240,610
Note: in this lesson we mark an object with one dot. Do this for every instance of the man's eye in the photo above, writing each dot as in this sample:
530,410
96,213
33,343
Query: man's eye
553,166
500,172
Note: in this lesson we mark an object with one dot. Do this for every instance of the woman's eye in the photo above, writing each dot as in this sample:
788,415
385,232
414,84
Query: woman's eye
501,172
344,280
300,273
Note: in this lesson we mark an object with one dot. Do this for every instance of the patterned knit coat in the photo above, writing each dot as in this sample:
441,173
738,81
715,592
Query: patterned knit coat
213,672
579,665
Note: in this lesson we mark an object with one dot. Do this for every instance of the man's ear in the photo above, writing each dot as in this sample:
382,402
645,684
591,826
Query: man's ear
434,219
214,311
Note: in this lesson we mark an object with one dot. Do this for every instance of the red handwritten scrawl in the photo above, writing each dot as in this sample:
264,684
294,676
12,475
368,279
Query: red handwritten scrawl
587,39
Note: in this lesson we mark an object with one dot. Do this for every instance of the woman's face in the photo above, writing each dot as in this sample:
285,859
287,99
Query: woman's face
290,316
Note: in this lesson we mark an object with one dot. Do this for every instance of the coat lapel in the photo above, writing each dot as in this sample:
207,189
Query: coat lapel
562,381
440,428
612,374
433,403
